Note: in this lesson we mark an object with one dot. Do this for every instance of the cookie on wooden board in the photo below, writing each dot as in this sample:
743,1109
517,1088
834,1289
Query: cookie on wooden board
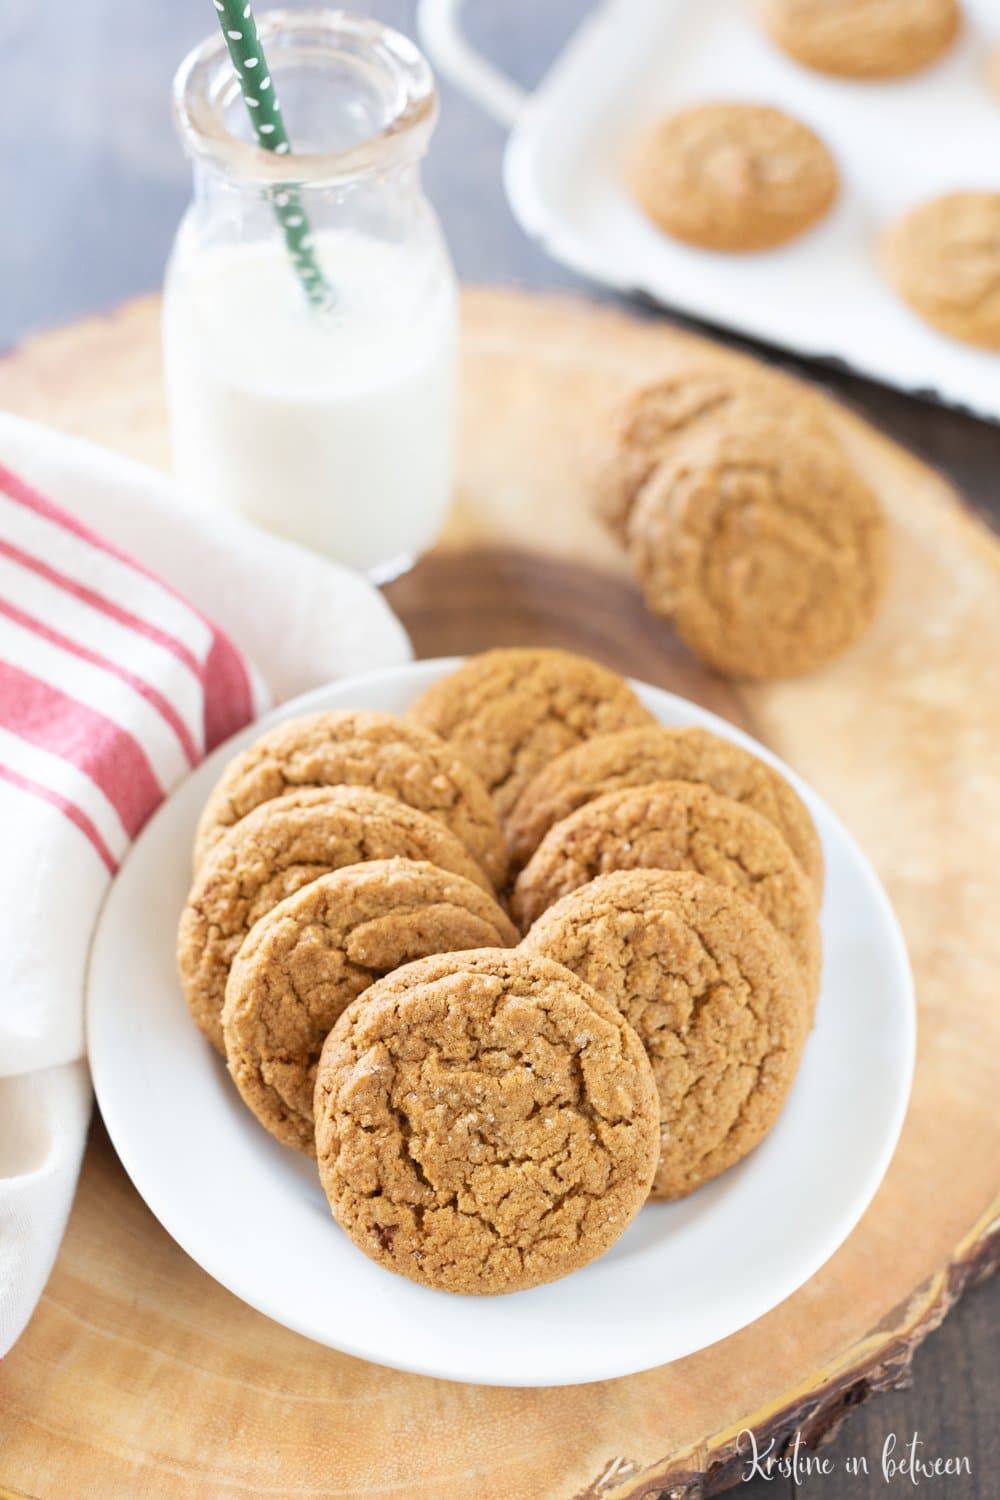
766,549
508,712
485,1122
863,38
637,757
732,176
275,850
310,956
657,414
943,258
358,748
713,994
677,825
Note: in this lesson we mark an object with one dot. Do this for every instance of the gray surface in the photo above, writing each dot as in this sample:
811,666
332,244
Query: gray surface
100,182
94,184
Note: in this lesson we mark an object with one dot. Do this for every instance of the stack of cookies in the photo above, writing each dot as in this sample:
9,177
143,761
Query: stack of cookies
487,1113
745,522
334,849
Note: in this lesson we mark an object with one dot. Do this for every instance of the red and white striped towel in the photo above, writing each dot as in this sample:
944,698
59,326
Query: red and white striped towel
111,684
114,682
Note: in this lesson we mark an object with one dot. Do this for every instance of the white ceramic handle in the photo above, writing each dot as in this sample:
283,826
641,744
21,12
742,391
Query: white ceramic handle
443,39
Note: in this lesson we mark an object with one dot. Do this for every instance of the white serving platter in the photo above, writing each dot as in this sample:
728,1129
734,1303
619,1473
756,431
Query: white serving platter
684,1274
822,296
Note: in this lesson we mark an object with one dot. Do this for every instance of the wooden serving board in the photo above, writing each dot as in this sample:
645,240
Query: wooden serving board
140,1378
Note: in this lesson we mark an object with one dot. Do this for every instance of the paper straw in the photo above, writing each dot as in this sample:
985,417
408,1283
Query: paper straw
260,97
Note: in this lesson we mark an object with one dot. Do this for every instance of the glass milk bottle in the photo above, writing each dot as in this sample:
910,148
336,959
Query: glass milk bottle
331,422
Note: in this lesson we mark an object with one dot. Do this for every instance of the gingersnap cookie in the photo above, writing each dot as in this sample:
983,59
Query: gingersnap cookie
943,258
485,1122
713,994
657,414
311,955
863,38
275,850
508,712
358,748
730,176
676,825
766,550
993,70
638,757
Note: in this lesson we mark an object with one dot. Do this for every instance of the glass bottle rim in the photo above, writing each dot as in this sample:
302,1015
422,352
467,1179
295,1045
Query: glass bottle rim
205,85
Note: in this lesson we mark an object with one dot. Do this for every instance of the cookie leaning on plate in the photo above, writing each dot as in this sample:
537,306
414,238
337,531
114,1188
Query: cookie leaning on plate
358,748
508,712
637,757
309,957
863,38
732,176
275,850
677,825
766,549
713,994
485,1122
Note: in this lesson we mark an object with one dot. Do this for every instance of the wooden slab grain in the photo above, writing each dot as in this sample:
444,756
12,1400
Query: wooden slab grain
140,1377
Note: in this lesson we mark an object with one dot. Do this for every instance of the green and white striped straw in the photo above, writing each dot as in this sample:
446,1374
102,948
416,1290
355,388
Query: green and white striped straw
260,97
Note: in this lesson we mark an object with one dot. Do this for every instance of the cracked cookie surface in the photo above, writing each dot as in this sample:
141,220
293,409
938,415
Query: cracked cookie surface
863,38
637,757
730,176
712,994
508,712
769,555
310,956
677,825
485,1122
275,850
656,415
358,748
943,258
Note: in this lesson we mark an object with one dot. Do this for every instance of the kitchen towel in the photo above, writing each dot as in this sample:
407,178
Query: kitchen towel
137,631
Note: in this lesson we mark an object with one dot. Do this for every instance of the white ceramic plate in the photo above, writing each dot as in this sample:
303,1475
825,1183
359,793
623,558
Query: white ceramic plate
685,1274
896,142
